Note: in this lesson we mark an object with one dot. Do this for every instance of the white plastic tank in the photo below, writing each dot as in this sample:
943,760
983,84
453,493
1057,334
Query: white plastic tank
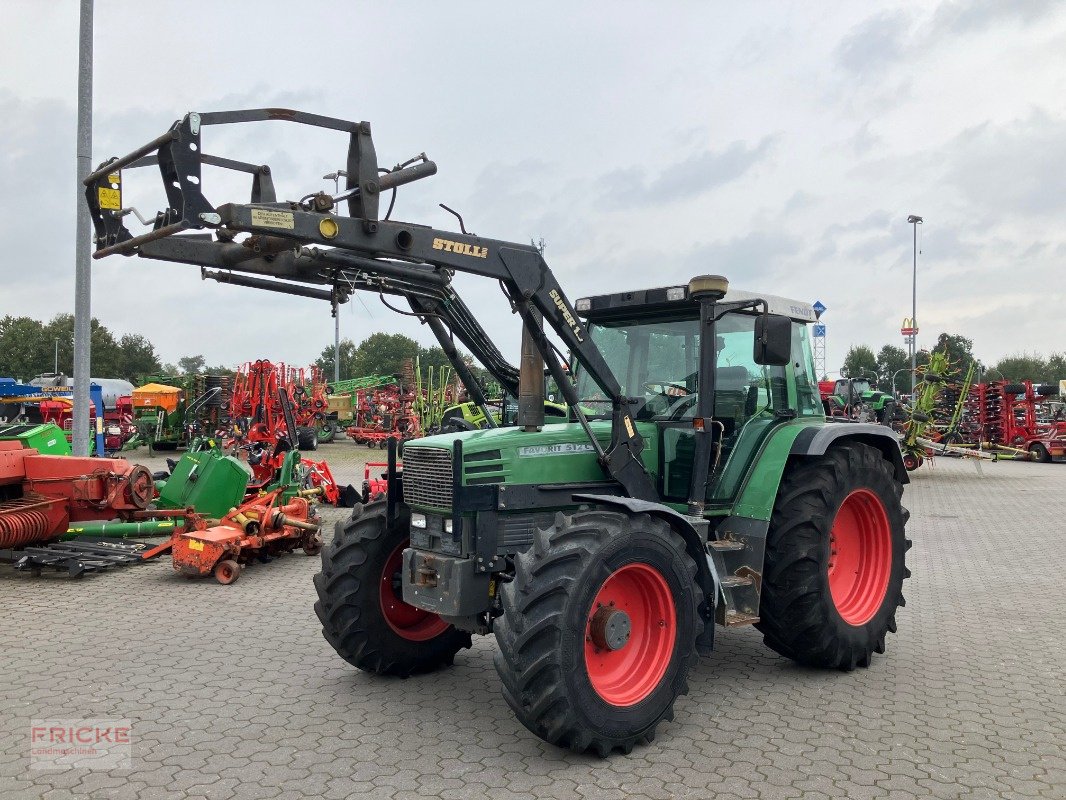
113,388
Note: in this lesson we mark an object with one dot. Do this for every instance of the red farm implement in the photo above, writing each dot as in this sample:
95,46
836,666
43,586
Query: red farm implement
268,524
43,496
384,413
1009,418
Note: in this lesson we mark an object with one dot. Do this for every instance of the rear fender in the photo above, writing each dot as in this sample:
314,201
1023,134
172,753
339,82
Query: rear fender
814,441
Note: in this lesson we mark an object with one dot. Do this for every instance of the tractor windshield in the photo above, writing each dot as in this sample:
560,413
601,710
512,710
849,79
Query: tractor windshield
658,362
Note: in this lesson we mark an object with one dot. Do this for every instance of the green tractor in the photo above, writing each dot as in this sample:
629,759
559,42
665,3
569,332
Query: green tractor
695,481
856,398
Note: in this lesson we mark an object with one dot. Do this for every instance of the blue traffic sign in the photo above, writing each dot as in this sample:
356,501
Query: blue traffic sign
819,331
819,309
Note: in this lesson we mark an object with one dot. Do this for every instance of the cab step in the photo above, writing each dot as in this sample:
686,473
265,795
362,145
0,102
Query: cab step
733,581
734,619
725,545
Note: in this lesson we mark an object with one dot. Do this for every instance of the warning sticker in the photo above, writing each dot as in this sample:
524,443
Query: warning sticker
195,545
273,219
109,198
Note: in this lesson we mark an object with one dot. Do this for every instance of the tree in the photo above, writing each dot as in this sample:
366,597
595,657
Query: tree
860,362
138,356
325,361
958,349
106,355
890,361
1022,367
433,357
219,370
192,365
383,354
21,340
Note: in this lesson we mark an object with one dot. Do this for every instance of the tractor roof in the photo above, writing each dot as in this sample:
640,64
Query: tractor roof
675,300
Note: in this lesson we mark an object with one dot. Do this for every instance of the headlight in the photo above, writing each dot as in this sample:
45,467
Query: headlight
447,526
418,521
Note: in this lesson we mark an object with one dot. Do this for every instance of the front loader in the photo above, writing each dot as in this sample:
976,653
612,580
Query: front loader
694,482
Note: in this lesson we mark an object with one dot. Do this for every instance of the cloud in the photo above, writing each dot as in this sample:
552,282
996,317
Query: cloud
1017,168
699,173
955,18
874,44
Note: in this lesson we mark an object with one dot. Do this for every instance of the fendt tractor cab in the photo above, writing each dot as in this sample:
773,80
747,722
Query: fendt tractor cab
693,481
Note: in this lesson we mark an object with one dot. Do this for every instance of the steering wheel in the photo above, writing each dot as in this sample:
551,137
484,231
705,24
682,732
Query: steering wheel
657,387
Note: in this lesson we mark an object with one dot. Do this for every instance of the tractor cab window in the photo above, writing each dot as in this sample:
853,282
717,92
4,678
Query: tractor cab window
654,361
658,363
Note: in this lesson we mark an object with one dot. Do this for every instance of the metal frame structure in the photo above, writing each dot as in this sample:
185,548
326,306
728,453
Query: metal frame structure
301,242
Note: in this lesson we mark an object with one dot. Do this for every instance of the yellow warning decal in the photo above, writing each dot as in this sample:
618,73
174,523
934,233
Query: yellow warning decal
629,427
109,198
195,545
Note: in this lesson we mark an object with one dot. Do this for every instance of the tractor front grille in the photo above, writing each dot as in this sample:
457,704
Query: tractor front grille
427,476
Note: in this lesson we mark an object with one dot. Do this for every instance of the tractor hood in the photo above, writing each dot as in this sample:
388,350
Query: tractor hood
559,453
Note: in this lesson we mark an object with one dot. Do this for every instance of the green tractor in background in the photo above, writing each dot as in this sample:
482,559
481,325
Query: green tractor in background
856,398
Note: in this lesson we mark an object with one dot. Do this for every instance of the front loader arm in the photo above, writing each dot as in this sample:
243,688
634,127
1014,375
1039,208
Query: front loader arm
289,239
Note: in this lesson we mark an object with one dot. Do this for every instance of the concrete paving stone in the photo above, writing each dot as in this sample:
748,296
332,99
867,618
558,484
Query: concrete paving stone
233,692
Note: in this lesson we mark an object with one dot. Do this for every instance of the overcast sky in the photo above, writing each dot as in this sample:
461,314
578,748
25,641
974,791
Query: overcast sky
780,144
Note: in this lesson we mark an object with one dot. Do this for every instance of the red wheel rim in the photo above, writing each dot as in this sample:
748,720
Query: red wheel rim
860,557
407,621
627,675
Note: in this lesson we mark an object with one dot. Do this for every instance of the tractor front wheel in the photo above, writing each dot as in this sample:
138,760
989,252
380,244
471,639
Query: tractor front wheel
835,554
360,603
598,630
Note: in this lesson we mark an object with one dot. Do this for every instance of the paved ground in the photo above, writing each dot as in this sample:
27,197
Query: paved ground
233,692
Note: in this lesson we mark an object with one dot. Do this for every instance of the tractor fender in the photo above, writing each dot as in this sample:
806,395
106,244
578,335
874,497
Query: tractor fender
695,545
814,441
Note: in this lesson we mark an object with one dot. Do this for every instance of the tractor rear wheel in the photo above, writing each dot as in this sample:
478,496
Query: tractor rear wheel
598,630
361,606
835,554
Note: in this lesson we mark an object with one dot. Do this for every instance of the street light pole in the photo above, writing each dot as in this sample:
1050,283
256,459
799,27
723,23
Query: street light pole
82,237
915,221
336,178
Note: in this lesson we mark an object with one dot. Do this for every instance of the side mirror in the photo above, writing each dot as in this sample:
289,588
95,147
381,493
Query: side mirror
773,340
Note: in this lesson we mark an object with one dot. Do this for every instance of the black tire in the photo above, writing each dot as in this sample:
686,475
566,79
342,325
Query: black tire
349,600
542,632
911,462
1047,390
307,439
799,617
1039,453
327,431
1014,388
